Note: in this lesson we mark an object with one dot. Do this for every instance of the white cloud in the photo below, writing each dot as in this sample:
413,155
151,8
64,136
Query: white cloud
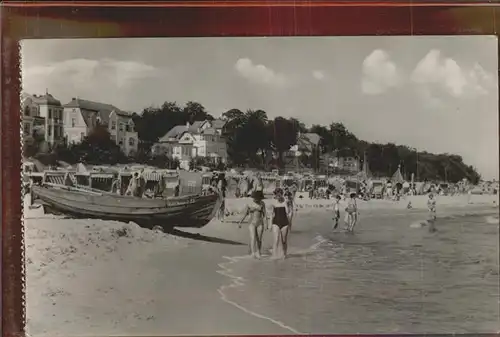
319,75
260,74
447,74
379,73
84,74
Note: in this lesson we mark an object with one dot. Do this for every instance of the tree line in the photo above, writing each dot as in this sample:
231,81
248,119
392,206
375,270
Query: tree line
254,140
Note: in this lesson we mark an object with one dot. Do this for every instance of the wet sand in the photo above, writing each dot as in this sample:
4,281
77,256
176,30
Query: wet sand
94,277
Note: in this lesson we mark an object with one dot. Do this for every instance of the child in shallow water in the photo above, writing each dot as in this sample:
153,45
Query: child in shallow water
431,205
336,212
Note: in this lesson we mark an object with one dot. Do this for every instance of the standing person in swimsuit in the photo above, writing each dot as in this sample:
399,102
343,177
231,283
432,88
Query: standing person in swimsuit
290,204
280,225
257,210
351,212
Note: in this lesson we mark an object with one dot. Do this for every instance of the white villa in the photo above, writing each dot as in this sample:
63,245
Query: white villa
42,114
201,139
81,116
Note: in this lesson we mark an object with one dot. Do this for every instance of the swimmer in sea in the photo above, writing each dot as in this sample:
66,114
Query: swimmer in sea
257,210
280,225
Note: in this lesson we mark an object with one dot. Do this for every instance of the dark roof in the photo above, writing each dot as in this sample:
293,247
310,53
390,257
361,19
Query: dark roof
308,141
175,133
103,110
46,99
196,125
312,138
218,123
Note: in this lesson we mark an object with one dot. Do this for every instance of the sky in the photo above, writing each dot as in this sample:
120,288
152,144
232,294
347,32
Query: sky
438,94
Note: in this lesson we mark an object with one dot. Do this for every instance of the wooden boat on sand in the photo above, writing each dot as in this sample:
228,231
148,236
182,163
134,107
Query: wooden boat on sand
184,211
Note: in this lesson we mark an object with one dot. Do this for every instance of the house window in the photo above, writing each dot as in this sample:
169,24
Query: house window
27,111
121,127
82,135
131,141
113,125
73,122
49,131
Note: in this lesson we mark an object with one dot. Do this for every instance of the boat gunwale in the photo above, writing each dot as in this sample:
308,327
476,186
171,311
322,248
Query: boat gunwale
143,220
165,212
154,204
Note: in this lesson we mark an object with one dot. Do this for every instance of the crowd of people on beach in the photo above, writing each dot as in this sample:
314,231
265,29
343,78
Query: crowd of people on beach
279,217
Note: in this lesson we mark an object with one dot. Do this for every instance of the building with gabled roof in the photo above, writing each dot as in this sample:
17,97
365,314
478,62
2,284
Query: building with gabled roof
200,139
81,116
42,114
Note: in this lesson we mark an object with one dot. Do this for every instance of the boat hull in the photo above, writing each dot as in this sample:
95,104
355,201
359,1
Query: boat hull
189,211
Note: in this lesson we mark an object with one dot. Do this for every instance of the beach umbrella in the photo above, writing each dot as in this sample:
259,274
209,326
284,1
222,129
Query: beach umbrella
397,177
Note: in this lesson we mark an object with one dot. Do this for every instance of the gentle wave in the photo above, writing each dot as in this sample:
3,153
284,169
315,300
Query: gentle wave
239,281
384,272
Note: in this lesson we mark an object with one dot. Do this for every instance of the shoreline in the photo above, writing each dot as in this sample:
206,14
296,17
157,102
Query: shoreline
202,265
230,269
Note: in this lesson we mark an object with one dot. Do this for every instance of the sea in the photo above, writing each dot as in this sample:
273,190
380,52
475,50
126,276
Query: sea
391,276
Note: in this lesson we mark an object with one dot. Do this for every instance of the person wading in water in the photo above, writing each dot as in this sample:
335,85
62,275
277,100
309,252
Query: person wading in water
280,225
336,212
291,211
431,206
257,210
221,187
351,213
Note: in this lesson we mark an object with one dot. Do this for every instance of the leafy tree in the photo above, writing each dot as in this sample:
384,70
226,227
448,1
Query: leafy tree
154,122
194,111
235,120
283,133
98,148
253,140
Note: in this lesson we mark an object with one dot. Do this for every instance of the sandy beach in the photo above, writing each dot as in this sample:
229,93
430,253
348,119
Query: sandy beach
107,278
